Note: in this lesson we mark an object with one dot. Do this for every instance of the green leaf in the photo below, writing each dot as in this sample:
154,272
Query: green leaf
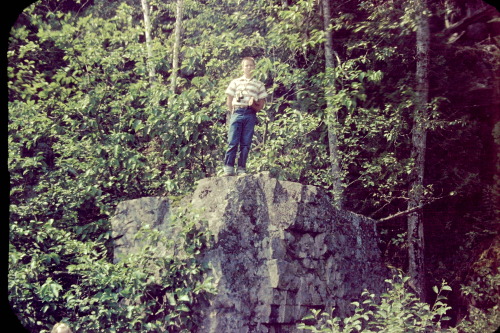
183,308
184,298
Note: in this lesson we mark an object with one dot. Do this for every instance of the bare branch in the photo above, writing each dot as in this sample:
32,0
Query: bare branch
414,209
399,214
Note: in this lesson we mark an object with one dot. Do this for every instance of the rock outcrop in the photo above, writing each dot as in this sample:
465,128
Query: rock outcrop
131,215
279,250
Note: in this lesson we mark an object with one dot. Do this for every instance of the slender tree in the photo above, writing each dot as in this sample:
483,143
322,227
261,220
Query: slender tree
149,41
331,110
177,45
419,136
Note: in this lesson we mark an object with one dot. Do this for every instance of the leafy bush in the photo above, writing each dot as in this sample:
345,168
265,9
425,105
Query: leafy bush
60,278
484,311
397,310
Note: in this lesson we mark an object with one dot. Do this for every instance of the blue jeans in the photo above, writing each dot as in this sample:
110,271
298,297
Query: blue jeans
241,128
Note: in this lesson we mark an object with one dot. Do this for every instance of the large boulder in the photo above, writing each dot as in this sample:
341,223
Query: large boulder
280,249
130,216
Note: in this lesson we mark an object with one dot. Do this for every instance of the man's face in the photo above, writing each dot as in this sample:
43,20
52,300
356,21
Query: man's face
248,67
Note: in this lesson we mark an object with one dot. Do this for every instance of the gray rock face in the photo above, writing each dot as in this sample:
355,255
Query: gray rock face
280,249
131,215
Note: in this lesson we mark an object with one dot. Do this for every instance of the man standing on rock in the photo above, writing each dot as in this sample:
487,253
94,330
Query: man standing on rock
245,97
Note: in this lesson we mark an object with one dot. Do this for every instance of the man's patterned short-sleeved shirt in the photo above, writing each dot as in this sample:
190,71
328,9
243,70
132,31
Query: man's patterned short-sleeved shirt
246,88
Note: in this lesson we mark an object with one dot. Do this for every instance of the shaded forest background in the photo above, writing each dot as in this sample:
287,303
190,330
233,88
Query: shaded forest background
96,118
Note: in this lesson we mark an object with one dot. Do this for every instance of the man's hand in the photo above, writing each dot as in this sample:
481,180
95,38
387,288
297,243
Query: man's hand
258,105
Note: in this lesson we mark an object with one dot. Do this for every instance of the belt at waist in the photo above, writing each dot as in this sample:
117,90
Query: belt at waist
244,109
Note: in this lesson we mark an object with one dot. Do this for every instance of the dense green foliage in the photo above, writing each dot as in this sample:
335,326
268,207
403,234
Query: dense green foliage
87,129
63,279
399,310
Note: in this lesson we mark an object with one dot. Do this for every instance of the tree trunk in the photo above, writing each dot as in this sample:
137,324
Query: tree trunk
177,43
149,46
332,113
419,138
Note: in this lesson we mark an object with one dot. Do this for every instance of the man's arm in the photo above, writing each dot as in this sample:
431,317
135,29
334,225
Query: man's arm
229,103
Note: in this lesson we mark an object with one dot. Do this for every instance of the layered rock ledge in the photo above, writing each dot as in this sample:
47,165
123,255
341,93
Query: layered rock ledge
280,249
